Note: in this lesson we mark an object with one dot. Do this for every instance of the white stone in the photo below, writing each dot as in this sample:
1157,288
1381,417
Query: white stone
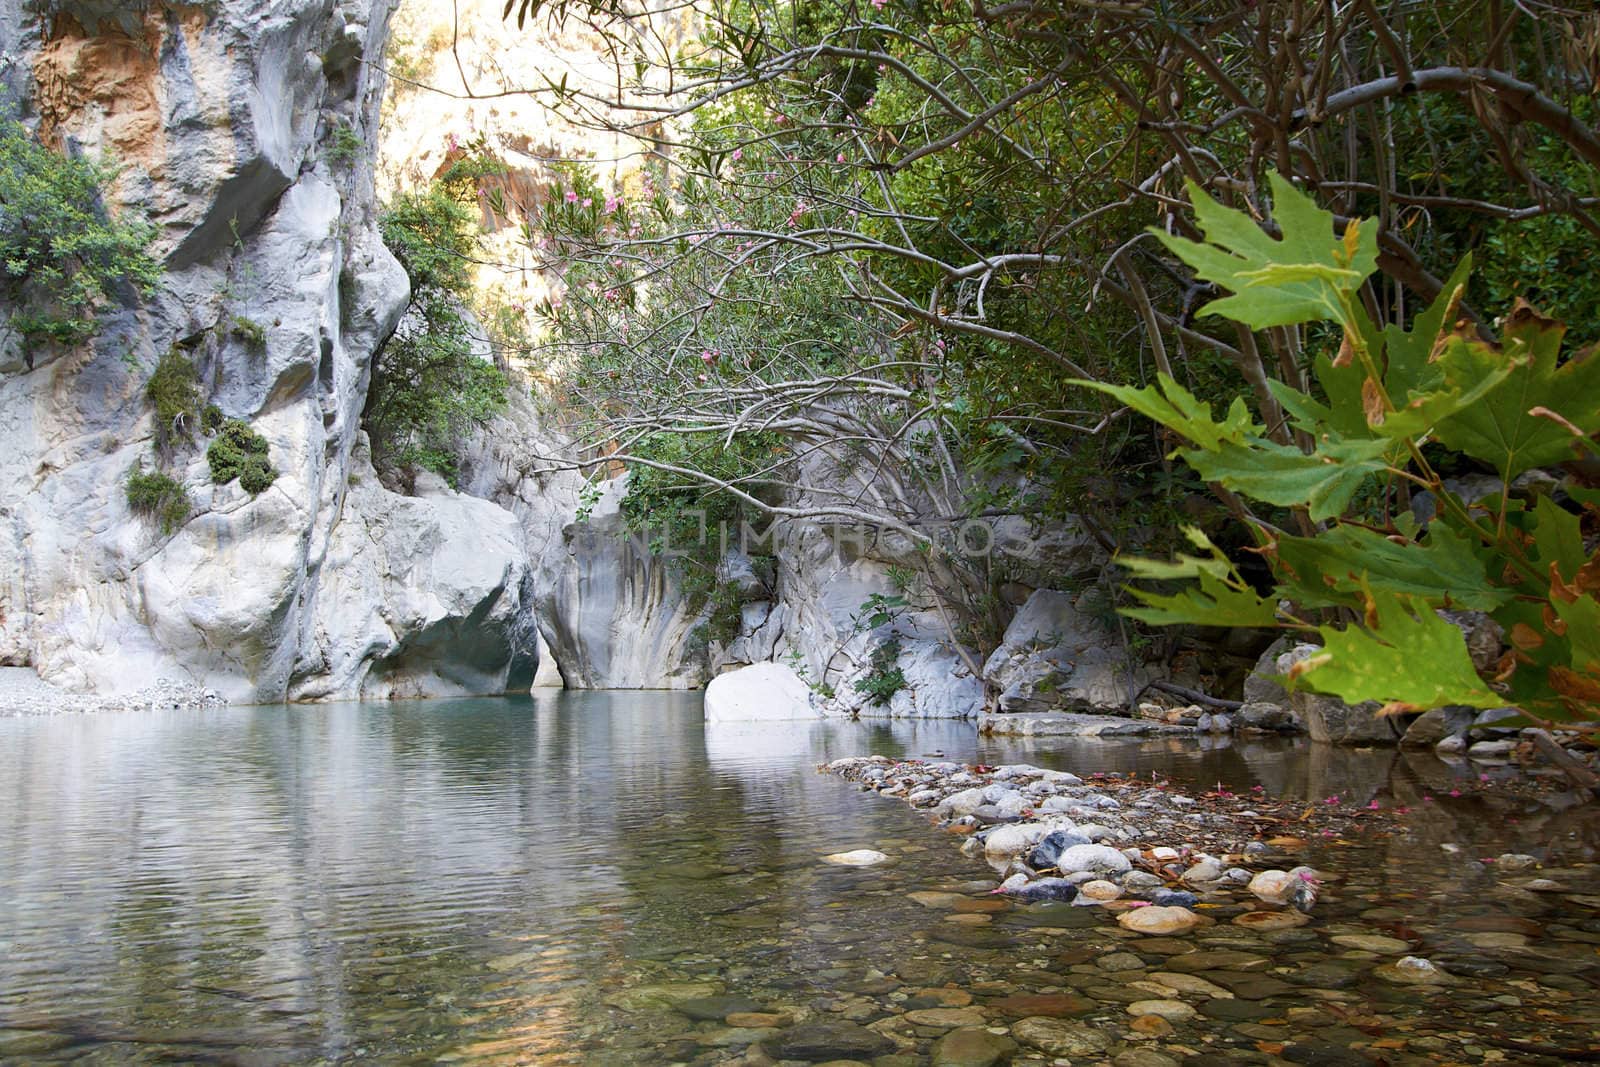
761,692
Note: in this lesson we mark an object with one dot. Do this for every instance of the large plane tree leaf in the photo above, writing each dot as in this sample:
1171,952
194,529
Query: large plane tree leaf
1283,475
1180,411
1409,657
1527,420
1299,278
1338,565
1219,597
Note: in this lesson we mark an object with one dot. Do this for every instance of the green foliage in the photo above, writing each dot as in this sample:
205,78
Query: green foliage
211,419
158,496
344,145
174,389
239,452
1510,406
251,332
719,600
60,255
257,475
883,678
429,388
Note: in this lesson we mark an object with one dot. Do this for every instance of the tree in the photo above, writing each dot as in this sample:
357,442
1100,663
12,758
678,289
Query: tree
976,186
60,254
428,385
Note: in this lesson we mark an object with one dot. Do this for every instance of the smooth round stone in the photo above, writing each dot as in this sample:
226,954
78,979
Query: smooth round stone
1156,920
1151,1026
717,1008
1271,920
1217,960
1412,970
972,1048
1497,940
1384,946
1174,1011
936,900
981,905
1061,1038
968,920
945,1018
1190,983
860,857
1120,961
1053,1005
1099,889
939,996
1236,1011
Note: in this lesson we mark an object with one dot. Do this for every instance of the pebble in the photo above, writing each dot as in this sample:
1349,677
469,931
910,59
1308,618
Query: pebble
1158,920
1174,1011
860,857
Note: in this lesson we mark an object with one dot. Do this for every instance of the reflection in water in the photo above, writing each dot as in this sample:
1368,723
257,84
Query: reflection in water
471,879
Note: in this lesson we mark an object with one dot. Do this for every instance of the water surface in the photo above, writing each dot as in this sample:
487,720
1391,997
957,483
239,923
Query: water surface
470,880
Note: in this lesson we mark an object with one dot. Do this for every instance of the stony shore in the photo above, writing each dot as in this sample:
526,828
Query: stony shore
22,692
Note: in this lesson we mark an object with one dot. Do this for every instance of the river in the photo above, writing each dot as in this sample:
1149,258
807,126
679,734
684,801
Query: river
497,880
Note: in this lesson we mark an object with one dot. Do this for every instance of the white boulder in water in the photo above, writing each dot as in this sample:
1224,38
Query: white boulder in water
762,692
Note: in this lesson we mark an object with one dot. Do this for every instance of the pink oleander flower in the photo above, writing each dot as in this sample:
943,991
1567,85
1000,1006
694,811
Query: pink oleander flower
839,158
612,203
738,154
588,201
572,197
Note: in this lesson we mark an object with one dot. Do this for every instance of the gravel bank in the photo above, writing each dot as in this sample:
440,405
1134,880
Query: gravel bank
22,692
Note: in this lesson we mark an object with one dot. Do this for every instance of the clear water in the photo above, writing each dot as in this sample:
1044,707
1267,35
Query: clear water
469,881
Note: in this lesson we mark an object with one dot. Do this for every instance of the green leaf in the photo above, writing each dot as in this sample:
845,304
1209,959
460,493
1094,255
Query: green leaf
1502,428
1176,408
1283,475
1411,656
1223,597
1336,567
1299,278
1557,538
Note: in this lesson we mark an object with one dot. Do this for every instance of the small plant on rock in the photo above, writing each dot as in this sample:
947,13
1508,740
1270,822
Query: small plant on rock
174,389
884,678
239,452
157,495
251,332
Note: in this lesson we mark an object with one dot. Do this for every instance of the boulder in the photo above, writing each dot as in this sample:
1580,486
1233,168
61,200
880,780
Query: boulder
760,692
1330,719
1158,920
1433,726
1100,859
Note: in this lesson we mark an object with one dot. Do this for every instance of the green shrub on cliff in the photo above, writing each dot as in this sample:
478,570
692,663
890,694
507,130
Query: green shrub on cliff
157,495
429,388
174,389
61,254
239,452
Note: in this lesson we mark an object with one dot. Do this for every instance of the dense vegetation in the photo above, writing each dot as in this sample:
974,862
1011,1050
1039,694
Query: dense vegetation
903,241
429,386
61,255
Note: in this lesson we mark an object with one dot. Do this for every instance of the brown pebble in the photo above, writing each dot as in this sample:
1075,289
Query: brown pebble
1152,1025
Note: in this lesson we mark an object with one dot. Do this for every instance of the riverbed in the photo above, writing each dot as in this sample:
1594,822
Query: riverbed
574,877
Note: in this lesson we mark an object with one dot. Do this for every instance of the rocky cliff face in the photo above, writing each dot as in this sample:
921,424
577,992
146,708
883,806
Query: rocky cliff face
246,132
234,123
